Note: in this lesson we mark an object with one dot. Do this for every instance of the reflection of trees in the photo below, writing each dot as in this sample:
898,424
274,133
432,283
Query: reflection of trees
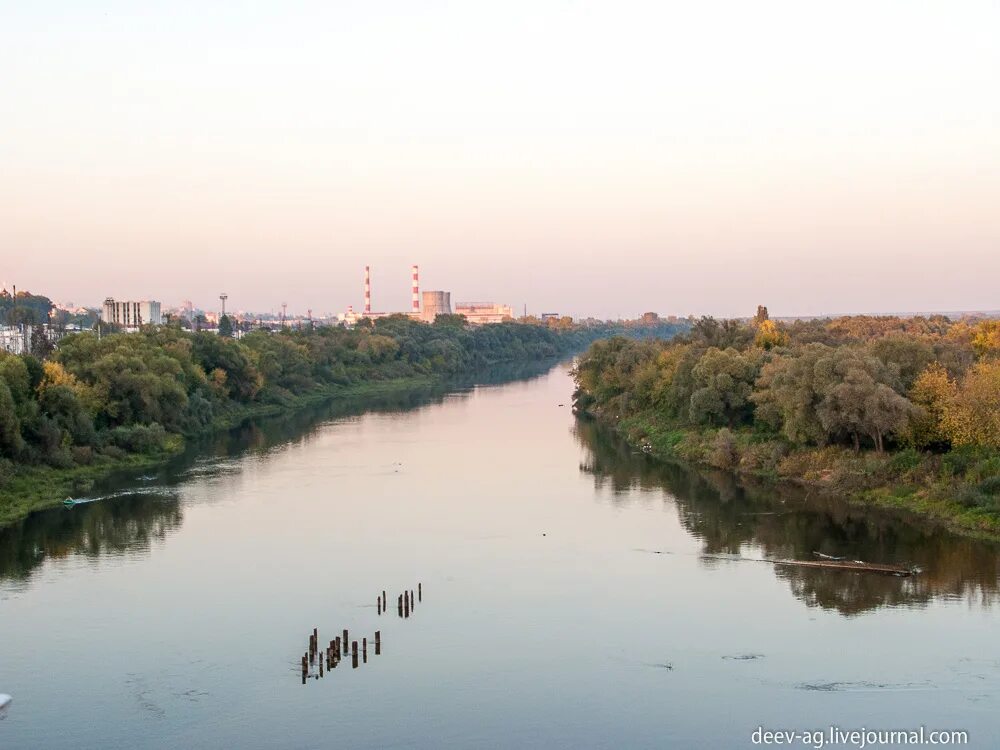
781,522
113,527
130,522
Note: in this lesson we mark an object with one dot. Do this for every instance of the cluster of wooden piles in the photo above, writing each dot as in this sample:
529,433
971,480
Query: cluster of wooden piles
316,664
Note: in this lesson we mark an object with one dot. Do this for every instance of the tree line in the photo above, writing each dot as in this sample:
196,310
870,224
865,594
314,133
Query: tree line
96,397
927,386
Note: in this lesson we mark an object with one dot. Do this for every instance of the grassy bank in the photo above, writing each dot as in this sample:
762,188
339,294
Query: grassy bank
959,489
35,487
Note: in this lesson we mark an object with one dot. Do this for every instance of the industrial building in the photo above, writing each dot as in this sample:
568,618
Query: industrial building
434,304
131,315
481,313
427,306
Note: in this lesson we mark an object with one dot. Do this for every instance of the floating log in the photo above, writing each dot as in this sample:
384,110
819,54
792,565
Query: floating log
856,565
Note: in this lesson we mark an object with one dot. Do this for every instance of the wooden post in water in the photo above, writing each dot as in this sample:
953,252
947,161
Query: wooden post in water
378,605
364,649
345,641
399,605
420,592
337,643
406,605
305,666
412,603
383,599
354,654
378,642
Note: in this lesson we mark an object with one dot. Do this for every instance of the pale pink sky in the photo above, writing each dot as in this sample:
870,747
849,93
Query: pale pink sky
598,158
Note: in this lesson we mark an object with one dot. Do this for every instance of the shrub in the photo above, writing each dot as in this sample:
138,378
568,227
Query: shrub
138,438
763,457
723,452
905,461
113,452
6,471
990,486
82,454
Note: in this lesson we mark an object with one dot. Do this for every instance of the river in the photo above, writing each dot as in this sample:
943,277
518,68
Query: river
574,594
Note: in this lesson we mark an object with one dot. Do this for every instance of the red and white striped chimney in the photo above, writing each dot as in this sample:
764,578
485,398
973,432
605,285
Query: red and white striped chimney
368,290
416,290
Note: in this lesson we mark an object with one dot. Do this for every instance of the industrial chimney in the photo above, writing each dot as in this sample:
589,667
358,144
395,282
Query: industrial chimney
416,291
368,290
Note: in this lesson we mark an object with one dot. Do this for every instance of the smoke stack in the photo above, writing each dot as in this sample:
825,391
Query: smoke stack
368,290
416,291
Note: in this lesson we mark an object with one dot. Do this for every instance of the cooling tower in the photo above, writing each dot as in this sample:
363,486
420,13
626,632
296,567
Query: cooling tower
435,303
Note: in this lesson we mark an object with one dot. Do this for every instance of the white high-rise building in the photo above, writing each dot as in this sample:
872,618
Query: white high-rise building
131,315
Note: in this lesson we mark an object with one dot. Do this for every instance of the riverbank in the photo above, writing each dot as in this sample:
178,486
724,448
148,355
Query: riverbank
959,490
34,487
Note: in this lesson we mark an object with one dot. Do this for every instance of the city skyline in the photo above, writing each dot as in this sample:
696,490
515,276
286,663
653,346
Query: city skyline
590,159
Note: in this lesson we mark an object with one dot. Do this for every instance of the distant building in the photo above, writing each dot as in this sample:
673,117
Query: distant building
434,304
131,315
15,339
550,316
479,313
649,318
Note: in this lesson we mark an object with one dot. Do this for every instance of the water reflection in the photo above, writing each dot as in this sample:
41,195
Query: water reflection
130,510
733,517
129,524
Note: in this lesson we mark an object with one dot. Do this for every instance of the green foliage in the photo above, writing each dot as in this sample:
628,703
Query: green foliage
95,399
27,308
138,438
866,382
723,382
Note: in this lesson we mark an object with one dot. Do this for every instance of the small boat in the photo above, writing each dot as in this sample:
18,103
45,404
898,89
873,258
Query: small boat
4,702
70,502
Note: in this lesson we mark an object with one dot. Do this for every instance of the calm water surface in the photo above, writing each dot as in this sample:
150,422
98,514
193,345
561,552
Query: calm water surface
576,595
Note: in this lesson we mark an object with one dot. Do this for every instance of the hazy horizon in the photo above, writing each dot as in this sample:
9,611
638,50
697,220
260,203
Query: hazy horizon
581,158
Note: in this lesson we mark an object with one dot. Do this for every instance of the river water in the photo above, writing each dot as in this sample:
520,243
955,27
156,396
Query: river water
575,594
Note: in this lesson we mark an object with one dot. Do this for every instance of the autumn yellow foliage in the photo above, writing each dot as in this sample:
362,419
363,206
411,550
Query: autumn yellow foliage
986,338
769,335
972,415
932,392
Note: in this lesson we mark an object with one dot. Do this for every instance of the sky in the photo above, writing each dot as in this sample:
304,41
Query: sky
585,158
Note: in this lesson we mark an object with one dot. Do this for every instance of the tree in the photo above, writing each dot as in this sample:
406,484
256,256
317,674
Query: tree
972,416
11,442
225,326
857,403
41,346
723,383
787,392
905,356
986,338
769,335
931,393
